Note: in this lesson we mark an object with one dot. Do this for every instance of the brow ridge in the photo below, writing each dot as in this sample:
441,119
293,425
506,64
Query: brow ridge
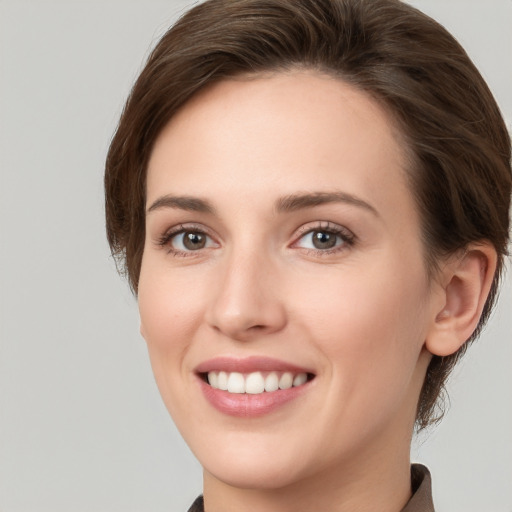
299,201
189,203
288,203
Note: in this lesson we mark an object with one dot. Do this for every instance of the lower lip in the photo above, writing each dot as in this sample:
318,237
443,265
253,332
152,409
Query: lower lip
245,405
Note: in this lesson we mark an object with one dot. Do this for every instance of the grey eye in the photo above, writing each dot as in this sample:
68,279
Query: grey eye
323,239
320,240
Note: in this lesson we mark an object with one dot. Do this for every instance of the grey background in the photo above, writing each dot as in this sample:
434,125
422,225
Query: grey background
82,427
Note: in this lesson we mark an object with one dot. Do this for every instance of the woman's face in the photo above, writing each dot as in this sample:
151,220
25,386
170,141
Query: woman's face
283,249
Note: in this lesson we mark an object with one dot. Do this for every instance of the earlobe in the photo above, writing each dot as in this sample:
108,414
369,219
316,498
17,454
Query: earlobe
468,280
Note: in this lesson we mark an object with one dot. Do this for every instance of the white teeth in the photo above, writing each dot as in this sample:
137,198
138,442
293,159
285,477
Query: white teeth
272,382
300,379
255,383
213,379
222,381
286,381
236,383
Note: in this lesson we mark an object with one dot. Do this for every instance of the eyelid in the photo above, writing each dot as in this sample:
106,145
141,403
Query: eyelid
323,226
165,239
347,236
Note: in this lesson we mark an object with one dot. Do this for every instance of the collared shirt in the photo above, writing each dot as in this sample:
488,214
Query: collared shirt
421,499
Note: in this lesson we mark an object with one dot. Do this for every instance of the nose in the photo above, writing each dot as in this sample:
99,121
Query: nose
246,302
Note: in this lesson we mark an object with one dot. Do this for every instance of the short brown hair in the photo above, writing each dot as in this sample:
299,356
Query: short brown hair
460,172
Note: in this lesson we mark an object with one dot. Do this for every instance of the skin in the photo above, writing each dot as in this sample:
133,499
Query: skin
359,317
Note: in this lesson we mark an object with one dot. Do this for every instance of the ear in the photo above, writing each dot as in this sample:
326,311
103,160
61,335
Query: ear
465,284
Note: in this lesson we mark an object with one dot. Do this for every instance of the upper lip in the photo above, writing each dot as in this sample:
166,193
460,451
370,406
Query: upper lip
249,365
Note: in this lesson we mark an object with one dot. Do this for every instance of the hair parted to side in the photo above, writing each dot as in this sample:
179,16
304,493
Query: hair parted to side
459,147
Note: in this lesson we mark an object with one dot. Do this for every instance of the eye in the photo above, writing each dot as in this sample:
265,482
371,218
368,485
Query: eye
325,239
190,241
321,240
182,241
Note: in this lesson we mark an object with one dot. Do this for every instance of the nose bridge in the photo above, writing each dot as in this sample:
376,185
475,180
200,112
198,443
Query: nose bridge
246,301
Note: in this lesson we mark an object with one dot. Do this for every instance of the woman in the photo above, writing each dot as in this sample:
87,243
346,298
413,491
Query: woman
311,202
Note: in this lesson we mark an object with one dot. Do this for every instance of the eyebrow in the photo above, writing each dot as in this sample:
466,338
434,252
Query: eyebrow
192,204
295,202
289,203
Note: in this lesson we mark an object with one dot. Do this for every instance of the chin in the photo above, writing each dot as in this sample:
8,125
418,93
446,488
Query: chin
270,474
252,463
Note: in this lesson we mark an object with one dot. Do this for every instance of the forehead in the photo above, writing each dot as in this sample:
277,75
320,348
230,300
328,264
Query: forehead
284,132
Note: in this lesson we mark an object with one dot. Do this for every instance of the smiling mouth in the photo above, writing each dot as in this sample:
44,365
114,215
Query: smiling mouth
255,383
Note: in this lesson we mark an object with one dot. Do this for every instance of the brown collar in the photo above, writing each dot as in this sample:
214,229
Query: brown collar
421,499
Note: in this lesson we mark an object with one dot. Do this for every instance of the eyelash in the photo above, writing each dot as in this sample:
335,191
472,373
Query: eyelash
348,239
166,239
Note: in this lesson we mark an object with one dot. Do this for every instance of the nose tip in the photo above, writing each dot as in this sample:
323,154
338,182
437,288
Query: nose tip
242,326
246,305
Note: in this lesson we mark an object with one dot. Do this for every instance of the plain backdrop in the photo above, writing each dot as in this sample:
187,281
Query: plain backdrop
82,427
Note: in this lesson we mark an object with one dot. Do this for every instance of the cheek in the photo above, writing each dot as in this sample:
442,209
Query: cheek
167,305
170,312
168,316
375,301
370,326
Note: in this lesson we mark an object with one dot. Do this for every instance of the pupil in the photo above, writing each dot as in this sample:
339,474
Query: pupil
324,240
194,241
